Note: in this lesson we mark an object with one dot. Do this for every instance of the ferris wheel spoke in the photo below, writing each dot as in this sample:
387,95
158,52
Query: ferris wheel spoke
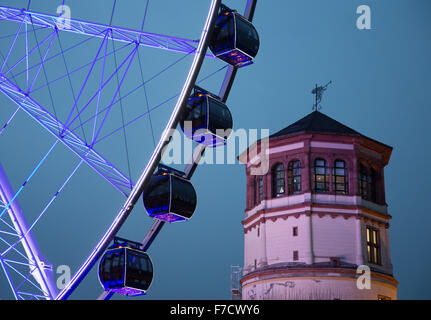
115,94
55,196
73,70
25,277
9,279
9,121
27,254
28,53
41,66
9,245
86,78
148,112
11,47
27,180
96,161
131,54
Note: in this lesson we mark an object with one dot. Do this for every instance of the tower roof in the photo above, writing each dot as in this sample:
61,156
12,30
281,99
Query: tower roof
316,122
319,123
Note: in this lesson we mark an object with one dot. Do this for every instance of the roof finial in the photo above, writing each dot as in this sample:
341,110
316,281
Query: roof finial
318,91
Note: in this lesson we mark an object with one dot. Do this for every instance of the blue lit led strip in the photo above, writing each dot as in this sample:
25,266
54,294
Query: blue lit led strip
28,179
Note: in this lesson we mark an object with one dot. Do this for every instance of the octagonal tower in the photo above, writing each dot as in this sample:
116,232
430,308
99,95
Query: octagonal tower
317,215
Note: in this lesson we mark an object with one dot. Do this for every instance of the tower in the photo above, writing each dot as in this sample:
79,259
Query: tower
317,215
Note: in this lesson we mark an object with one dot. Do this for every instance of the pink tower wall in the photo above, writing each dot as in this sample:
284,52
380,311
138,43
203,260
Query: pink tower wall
329,225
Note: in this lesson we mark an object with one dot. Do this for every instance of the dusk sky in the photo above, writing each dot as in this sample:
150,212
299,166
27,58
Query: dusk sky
380,88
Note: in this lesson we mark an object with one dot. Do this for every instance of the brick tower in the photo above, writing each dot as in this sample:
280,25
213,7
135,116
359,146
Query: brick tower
317,215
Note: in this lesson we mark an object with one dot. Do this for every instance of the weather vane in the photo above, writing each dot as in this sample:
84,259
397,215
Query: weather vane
318,91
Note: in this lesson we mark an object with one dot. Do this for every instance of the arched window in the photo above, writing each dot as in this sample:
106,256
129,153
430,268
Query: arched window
340,177
278,183
294,177
321,176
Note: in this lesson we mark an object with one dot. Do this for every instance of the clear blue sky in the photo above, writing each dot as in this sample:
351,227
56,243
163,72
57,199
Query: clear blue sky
380,88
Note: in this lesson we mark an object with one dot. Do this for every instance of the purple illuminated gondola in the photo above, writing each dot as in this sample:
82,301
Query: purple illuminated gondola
169,196
206,119
125,268
234,40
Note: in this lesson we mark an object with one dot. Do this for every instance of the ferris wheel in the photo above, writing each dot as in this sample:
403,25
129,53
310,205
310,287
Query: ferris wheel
37,60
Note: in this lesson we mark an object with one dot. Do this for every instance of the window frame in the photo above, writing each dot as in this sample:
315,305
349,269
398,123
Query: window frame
294,187
373,245
363,181
345,185
278,180
257,189
326,176
367,183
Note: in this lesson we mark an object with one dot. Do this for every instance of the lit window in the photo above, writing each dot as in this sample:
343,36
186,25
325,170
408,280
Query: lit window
382,297
294,177
340,177
321,176
278,183
373,245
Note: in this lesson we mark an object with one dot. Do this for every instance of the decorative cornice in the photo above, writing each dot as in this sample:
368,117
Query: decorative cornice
316,272
319,210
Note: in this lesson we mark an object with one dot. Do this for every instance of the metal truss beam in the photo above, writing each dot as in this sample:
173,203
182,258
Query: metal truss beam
145,39
96,161
31,258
